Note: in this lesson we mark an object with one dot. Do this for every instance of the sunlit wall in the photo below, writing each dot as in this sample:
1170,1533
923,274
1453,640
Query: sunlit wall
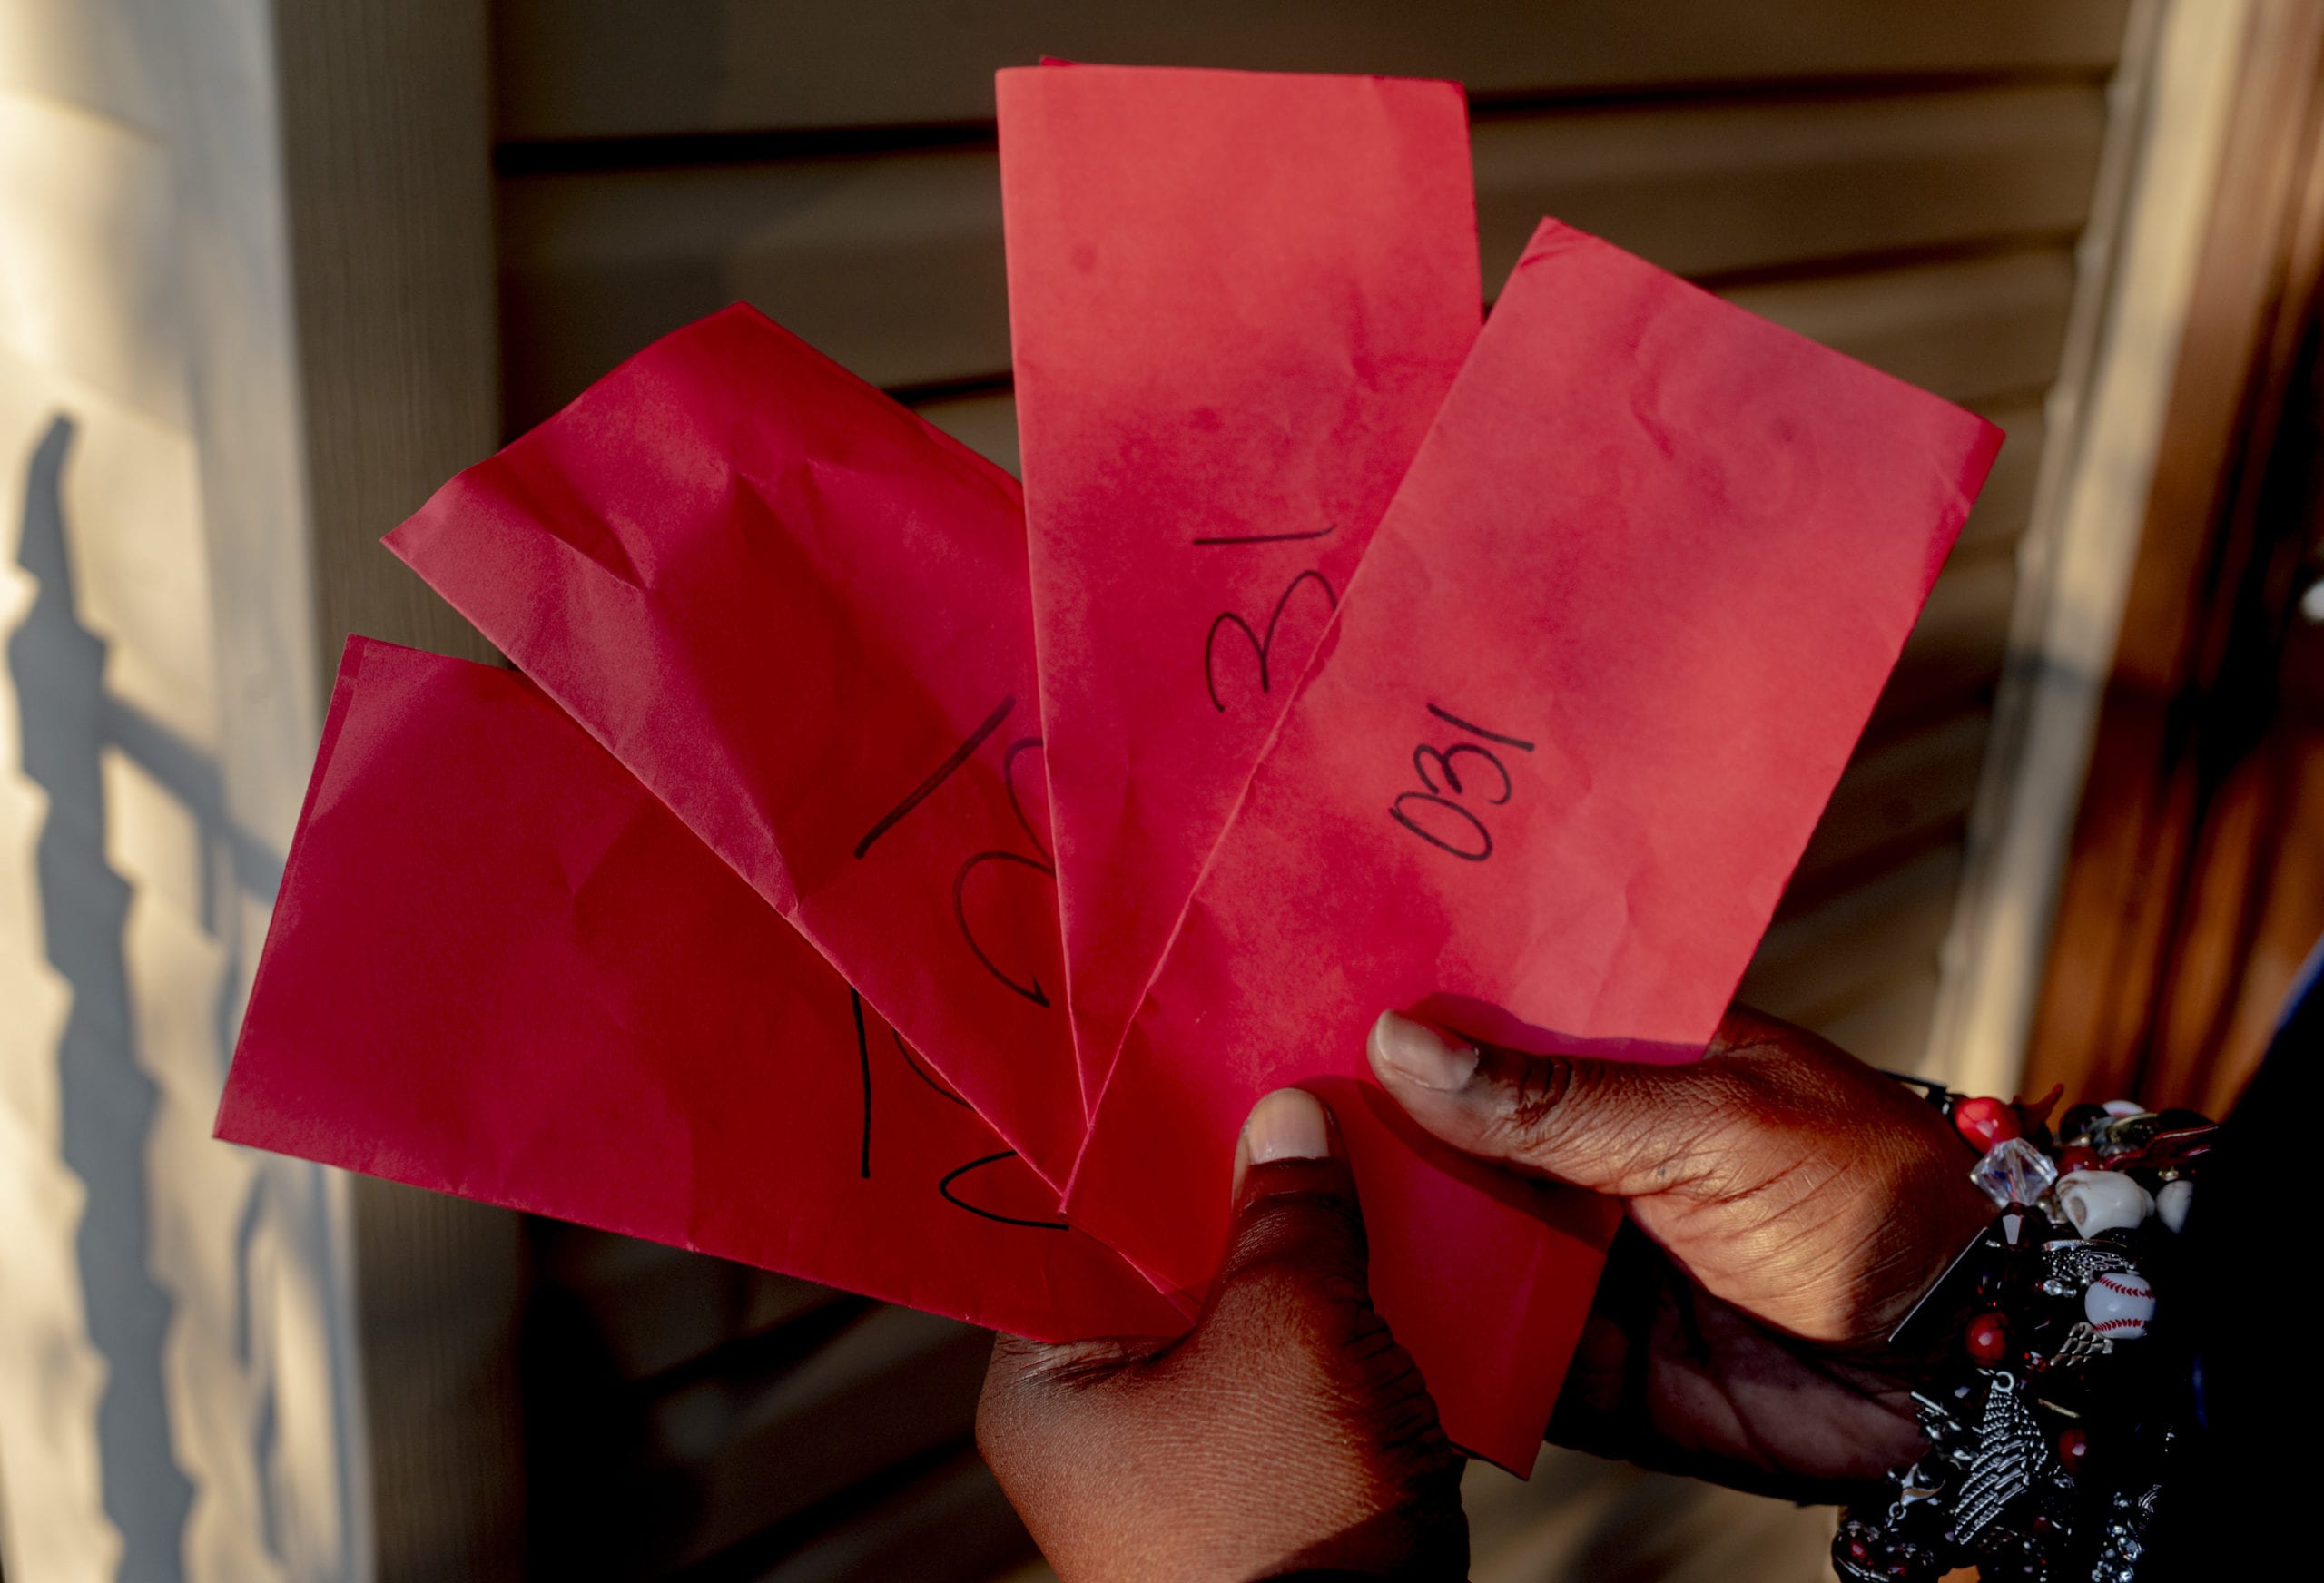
157,1327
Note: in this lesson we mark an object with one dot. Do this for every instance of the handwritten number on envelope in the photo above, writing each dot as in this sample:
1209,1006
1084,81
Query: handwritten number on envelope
945,1186
1262,646
961,1172
1030,989
1443,788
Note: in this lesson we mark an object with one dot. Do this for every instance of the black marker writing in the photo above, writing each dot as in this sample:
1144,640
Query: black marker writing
1031,985
1263,648
1248,539
1450,718
920,793
1439,812
863,1061
1017,803
945,1188
924,1074
1031,989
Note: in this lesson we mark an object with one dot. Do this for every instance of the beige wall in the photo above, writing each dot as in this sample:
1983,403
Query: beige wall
173,1352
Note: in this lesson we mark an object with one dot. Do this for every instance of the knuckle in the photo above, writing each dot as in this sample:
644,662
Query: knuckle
1303,1227
1297,1271
1537,1100
1533,1113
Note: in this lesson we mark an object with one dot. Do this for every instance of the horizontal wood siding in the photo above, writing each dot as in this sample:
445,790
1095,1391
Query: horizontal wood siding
890,263
656,68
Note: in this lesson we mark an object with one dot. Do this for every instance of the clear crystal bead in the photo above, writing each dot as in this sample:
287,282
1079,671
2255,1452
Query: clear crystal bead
2013,1172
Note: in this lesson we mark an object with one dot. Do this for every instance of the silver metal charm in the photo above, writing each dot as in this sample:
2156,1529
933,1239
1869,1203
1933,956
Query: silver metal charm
2083,1342
2125,1542
2070,1265
2011,1450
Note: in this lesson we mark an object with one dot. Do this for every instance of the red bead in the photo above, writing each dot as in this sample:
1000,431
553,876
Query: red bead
2079,1157
2073,1447
1987,1338
1984,1122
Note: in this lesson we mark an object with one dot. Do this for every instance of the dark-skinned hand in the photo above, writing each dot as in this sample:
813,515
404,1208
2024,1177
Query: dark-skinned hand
1787,1206
1286,1431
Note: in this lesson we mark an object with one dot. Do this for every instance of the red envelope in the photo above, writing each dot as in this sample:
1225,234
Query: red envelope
500,968
1582,704
800,616
1236,300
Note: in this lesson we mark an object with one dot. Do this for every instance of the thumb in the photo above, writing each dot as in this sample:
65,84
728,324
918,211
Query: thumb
1291,1313
1296,1217
1617,1127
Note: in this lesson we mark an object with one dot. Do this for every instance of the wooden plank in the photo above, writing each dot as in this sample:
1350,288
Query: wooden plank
2172,152
894,1386
2006,506
1955,651
2173,940
390,220
1907,789
950,1525
653,1309
1711,190
1889,1027
386,168
986,423
892,263
1815,963
1974,330
1581,1517
625,68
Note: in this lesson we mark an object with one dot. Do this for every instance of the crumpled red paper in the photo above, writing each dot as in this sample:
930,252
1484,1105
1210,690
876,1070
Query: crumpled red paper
1582,706
1236,300
800,616
500,968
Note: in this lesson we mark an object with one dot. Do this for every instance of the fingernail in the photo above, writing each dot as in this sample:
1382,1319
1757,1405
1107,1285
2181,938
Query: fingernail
1287,1125
1418,1054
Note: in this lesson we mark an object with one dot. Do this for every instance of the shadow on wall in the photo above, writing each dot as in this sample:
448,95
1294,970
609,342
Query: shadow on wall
108,1102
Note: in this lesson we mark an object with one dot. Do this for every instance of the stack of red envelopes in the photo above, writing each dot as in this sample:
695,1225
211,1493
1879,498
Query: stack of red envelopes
880,872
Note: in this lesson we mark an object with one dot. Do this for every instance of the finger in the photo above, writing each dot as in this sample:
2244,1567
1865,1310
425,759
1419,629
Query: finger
1296,1215
1620,1127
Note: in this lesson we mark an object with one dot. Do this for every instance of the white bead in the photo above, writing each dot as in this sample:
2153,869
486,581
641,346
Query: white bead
2123,1107
2098,1201
2172,1202
2117,1305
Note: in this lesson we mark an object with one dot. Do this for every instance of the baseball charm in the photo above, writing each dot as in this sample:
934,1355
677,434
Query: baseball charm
2118,1304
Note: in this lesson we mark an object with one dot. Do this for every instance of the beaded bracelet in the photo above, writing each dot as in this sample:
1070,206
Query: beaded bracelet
2052,1424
